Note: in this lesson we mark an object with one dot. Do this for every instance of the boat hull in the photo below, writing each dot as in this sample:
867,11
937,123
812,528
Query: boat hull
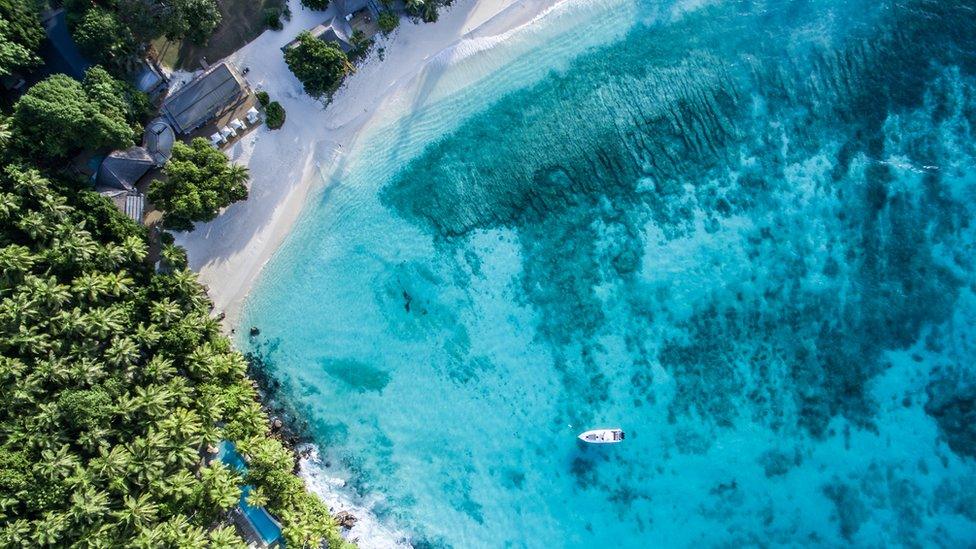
602,436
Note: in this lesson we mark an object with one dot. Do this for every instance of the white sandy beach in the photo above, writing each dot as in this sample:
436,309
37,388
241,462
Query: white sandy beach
229,252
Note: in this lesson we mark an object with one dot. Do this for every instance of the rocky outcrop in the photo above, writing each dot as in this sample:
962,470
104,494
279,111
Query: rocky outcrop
345,519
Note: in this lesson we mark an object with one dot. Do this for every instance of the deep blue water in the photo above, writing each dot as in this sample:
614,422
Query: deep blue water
740,230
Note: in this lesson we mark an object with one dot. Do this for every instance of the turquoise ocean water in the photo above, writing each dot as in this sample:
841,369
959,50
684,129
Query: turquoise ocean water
740,230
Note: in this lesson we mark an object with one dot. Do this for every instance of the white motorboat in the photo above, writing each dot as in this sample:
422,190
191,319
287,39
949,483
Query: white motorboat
602,436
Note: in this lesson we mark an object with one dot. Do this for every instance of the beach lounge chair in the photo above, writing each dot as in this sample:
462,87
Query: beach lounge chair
227,132
216,139
252,115
237,125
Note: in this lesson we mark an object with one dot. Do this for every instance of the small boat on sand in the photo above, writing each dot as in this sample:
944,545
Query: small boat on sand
602,436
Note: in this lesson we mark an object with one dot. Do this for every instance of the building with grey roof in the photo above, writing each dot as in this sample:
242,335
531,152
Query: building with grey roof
345,8
122,169
334,29
203,98
117,177
158,141
131,203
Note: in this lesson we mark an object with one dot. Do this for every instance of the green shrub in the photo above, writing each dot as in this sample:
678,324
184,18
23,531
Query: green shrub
360,44
272,18
319,5
274,115
388,22
263,98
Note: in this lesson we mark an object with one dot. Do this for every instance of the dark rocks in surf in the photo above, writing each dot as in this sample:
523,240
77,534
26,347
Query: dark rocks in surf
345,519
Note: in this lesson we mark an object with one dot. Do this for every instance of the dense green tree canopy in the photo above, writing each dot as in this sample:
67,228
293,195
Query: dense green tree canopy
320,5
60,115
115,381
118,96
199,181
104,38
20,35
192,19
319,65
128,25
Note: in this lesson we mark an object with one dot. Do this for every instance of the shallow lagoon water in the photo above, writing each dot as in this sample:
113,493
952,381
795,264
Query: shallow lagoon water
739,230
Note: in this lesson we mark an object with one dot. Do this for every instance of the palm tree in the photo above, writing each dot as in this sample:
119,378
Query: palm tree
102,322
5,133
414,6
147,336
48,529
237,174
135,248
257,498
153,399
189,536
147,464
225,537
88,506
182,425
94,439
122,352
137,512
87,371
16,534
111,257
15,259
220,485
118,284
29,183
165,312
90,285
57,464
47,291
179,485
429,11
111,463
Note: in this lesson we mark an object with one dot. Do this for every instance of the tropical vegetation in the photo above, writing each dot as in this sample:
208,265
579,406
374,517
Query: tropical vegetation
103,38
388,22
198,182
59,115
425,9
117,386
360,45
319,65
274,115
274,15
115,32
320,5
116,382
20,35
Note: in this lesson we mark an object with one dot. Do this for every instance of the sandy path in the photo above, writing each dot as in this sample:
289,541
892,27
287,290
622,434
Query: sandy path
229,252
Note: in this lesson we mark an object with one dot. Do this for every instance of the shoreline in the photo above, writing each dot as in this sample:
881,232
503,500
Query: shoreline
289,165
